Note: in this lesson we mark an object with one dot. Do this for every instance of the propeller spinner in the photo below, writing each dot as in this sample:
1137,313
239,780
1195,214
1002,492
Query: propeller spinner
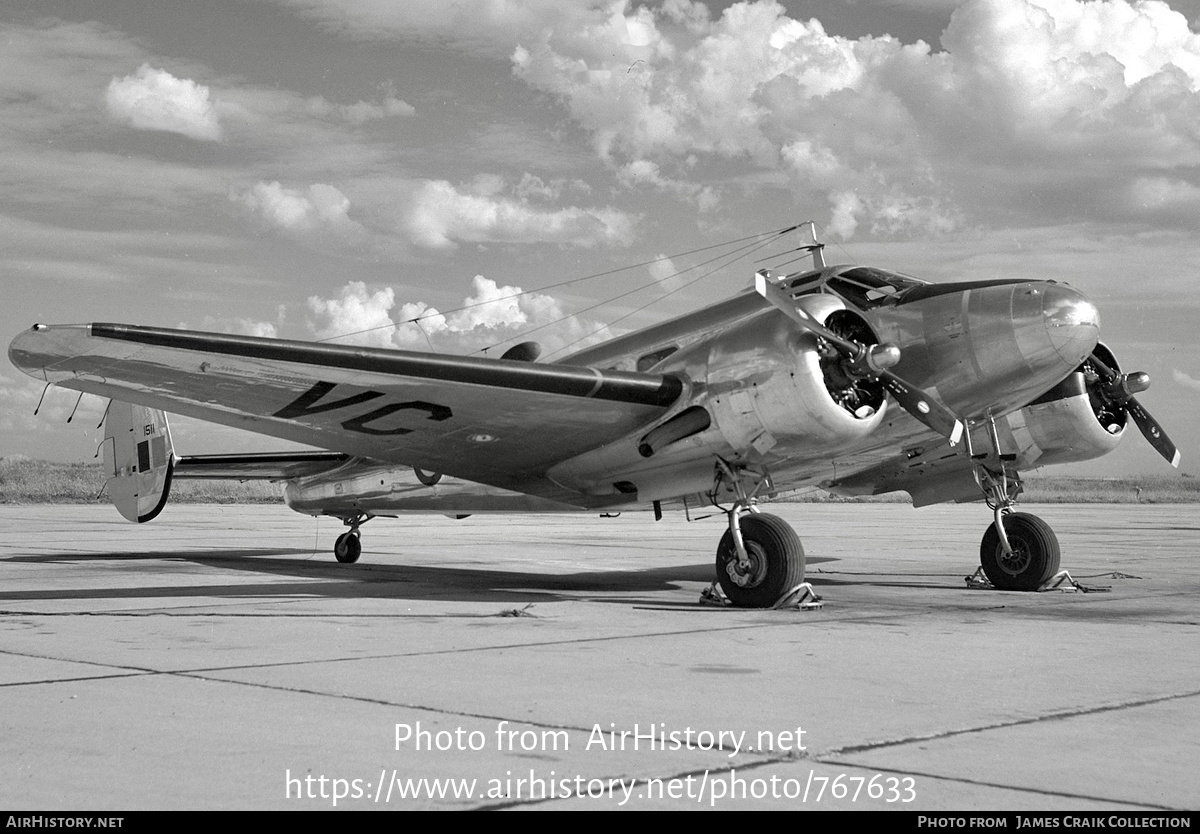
1115,392
869,361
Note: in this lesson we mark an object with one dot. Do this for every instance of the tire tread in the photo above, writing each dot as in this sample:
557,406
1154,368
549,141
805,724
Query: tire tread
785,560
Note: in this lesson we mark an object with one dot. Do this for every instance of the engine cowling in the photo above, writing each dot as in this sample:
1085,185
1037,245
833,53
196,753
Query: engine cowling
770,382
763,382
1073,421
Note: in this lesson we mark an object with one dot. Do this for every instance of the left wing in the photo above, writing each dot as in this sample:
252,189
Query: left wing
494,421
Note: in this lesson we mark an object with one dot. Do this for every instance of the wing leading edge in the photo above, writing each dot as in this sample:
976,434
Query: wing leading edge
495,421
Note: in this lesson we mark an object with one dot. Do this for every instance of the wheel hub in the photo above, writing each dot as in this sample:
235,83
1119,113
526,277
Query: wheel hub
753,573
1014,563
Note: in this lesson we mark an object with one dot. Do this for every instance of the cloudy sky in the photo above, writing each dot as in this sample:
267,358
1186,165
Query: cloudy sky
311,168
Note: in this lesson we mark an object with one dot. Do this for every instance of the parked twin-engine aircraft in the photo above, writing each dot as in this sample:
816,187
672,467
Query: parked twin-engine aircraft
850,378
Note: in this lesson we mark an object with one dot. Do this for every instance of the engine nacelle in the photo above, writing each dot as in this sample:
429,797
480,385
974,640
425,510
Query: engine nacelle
762,389
1069,423
769,383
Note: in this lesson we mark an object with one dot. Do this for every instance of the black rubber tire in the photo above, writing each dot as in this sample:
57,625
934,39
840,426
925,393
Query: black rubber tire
777,559
347,548
1035,558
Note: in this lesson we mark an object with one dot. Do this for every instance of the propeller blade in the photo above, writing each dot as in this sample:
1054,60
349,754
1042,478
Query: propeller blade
931,413
1153,432
784,302
1121,388
1106,372
874,360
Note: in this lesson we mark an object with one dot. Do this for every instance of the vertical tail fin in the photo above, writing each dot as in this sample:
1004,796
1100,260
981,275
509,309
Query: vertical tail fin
138,460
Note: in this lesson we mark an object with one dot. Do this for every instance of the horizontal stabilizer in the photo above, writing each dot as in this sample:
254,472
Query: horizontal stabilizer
138,460
258,466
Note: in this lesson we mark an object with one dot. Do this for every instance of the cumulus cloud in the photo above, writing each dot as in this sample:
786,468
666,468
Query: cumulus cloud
54,405
242,326
1186,381
704,86
643,172
318,207
843,219
926,6
753,88
477,24
533,187
436,214
669,277
1032,111
441,215
153,99
356,309
489,317
360,112
1164,194
1032,106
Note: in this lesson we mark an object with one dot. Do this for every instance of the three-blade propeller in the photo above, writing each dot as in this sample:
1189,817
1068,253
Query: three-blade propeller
1119,389
869,361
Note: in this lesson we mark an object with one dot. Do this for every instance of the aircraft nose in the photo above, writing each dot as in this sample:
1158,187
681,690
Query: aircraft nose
1072,321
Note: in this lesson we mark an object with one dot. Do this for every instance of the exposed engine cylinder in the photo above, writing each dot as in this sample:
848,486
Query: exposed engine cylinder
1110,414
861,396
768,380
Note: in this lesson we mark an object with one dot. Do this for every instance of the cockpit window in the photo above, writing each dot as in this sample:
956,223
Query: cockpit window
863,286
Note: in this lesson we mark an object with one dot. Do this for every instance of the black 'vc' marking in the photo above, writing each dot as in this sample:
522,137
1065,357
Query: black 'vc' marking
310,403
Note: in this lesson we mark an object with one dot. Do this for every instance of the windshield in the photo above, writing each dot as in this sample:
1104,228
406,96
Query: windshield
863,286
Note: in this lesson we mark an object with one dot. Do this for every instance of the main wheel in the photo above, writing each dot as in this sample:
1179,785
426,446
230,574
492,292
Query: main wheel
1035,554
776,562
347,548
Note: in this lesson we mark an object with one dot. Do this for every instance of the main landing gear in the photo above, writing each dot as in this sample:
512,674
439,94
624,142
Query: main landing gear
1031,559
760,561
348,548
1019,551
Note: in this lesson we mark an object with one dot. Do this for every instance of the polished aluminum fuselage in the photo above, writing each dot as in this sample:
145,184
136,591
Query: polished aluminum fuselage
984,350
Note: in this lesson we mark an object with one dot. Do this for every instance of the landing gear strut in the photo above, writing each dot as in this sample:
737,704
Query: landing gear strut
1019,551
760,559
348,548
